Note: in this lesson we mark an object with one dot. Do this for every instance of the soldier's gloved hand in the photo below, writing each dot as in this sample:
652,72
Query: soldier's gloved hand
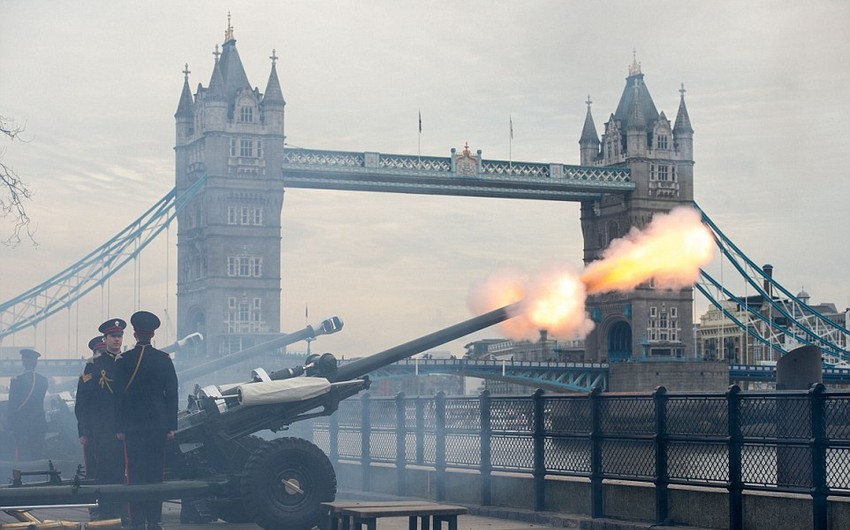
84,440
169,436
119,435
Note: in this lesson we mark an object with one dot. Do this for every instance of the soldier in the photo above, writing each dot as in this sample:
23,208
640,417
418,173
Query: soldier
95,411
25,412
145,414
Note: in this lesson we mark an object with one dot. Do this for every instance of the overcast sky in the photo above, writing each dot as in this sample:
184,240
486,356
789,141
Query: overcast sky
96,84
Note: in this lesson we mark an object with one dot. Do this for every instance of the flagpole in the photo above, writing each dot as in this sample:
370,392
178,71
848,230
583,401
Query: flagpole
510,142
419,146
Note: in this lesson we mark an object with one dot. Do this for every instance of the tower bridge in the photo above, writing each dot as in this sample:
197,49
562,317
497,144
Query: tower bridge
232,169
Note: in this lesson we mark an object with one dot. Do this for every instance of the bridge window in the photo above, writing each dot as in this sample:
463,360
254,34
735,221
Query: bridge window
245,266
244,316
233,150
246,115
246,148
661,141
244,215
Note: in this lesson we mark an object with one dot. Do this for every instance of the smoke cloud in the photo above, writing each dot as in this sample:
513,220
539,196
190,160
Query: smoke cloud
670,252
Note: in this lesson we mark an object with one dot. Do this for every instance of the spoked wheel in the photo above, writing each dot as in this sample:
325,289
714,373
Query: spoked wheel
285,482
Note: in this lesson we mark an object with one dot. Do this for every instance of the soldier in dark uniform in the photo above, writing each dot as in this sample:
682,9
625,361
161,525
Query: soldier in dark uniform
95,411
25,412
145,414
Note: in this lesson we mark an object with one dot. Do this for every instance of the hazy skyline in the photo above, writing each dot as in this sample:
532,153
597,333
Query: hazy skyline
97,83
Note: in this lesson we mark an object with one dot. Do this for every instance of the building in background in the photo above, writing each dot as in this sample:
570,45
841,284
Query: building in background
647,322
228,239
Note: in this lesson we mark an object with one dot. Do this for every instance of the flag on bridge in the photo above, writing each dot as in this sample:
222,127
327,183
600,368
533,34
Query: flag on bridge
511,122
420,122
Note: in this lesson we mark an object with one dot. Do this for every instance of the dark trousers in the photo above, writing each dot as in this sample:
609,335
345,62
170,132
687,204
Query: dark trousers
108,455
29,443
144,455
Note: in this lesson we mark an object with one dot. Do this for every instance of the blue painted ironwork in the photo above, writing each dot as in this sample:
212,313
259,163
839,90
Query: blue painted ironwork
805,325
63,289
558,377
369,171
738,441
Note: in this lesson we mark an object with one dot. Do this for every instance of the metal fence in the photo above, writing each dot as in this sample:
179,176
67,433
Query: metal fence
794,441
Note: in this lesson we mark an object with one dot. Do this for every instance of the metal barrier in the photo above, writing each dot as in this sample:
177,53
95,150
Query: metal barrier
794,442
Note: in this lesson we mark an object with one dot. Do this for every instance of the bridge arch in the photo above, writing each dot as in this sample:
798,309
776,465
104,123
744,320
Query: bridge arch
619,339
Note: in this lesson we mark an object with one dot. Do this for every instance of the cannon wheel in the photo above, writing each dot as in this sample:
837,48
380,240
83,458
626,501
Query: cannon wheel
284,483
233,510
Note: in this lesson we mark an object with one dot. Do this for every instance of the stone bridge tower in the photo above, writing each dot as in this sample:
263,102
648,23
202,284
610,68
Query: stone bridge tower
646,321
228,240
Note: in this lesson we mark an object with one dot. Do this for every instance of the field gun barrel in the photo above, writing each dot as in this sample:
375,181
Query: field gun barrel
325,327
361,367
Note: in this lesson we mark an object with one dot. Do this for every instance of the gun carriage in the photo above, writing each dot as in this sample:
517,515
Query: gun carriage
219,464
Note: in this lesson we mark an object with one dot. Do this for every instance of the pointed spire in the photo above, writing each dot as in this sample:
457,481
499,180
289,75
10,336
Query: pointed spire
185,107
588,132
636,119
216,87
228,33
683,121
273,94
634,68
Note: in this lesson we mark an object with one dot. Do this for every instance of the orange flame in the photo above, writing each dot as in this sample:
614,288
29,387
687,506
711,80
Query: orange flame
670,250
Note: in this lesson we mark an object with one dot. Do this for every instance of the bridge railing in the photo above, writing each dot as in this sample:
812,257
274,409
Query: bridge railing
790,442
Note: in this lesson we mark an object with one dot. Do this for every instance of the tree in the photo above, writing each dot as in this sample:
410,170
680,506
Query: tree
14,191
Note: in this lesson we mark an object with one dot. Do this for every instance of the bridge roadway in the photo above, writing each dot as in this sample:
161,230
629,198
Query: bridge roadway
554,376
467,175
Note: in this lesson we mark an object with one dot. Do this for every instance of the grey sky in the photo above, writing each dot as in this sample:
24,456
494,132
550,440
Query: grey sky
97,83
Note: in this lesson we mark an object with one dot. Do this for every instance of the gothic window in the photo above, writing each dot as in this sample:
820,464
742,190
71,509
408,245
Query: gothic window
661,141
245,266
259,149
662,173
258,216
244,219
246,115
246,148
232,219
233,151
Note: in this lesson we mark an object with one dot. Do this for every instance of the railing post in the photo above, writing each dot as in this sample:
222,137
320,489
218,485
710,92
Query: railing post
736,484
486,455
420,431
539,471
662,494
597,508
400,444
365,442
819,445
333,438
440,441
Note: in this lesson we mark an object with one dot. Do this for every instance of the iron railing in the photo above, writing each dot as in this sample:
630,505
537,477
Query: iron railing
784,442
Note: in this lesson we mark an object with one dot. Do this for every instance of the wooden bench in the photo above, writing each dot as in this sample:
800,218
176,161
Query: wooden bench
353,515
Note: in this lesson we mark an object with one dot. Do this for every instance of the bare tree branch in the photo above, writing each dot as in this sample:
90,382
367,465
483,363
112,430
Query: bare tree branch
13,191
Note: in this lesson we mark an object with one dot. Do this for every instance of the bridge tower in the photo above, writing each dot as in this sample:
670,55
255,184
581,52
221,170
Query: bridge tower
228,240
647,321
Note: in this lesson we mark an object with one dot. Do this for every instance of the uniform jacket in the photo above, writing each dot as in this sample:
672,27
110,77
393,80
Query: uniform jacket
145,390
95,405
26,401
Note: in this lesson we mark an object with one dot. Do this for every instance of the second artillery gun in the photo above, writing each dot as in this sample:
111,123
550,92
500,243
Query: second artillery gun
218,462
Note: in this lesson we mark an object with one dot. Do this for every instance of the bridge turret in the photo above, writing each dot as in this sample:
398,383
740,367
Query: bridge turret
589,141
214,114
185,114
683,133
272,105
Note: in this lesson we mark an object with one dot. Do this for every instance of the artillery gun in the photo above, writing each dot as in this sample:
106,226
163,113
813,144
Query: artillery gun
217,460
